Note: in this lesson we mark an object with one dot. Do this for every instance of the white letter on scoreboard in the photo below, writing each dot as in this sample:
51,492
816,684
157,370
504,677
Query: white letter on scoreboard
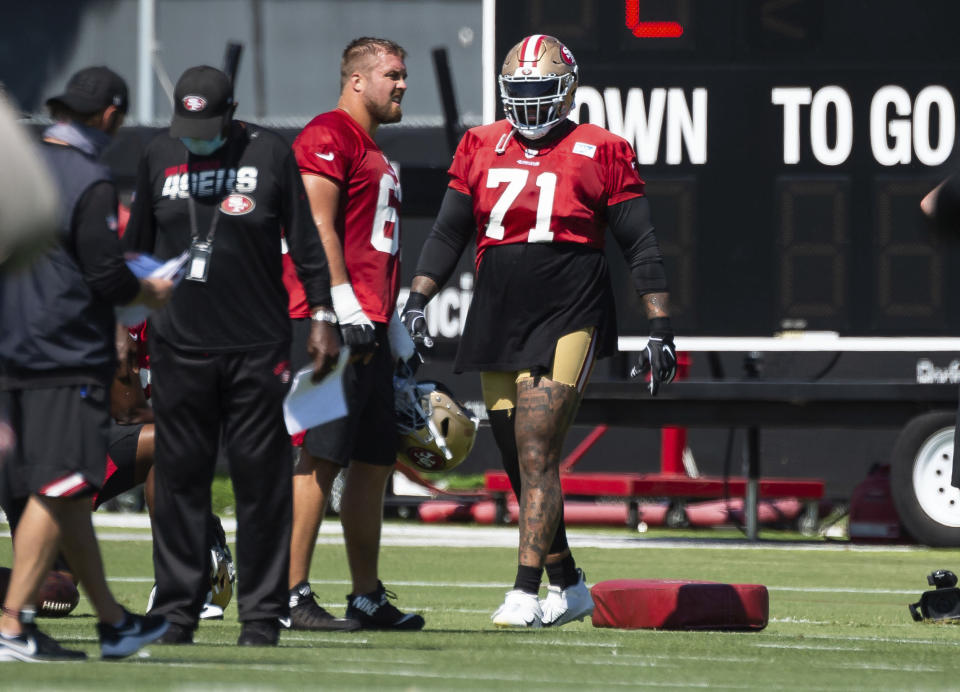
636,123
838,98
791,98
933,96
686,127
591,98
898,129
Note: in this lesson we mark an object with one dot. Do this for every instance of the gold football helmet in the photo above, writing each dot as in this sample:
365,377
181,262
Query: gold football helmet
537,84
222,576
434,431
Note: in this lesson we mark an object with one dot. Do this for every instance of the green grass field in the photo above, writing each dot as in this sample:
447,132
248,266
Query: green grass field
838,621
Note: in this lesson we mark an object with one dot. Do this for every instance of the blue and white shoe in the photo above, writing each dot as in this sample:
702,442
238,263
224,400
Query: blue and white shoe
135,632
33,646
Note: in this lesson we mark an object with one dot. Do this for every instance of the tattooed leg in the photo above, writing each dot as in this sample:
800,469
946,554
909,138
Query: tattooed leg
545,410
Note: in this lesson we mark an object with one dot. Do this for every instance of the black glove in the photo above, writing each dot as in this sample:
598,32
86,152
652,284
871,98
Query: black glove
356,329
359,337
659,358
414,320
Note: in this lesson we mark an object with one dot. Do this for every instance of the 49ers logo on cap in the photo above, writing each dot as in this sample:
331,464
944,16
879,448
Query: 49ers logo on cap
237,205
194,103
424,458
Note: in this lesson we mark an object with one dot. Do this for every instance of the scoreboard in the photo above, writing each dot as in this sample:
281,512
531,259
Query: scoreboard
786,145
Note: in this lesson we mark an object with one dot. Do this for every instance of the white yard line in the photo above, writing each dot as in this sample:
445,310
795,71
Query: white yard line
499,586
446,535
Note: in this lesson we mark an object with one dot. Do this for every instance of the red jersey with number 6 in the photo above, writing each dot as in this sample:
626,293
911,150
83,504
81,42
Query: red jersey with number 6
368,220
556,194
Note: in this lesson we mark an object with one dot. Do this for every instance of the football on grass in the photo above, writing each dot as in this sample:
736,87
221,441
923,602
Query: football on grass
58,595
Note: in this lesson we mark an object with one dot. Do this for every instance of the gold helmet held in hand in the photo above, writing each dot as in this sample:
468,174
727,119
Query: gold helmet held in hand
434,431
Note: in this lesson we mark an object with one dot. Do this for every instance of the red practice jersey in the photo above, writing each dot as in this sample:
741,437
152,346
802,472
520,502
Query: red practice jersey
556,194
368,220
297,305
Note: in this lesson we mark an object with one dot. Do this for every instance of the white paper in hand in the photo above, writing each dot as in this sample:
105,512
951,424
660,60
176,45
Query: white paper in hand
142,266
309,404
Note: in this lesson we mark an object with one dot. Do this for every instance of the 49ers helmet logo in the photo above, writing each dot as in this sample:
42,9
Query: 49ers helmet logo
237,205
424,458
194,103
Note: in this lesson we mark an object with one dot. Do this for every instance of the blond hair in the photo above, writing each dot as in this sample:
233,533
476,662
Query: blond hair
360,51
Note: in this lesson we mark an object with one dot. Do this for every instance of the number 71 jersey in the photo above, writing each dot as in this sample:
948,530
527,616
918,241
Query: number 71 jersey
556,194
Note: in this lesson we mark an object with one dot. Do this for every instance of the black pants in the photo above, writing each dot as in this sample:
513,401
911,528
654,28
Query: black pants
200,399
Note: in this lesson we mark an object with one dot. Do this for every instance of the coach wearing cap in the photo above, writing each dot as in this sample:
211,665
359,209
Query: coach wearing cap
221,190
57,357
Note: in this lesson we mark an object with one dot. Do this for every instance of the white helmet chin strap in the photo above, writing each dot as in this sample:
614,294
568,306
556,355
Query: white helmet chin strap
537,132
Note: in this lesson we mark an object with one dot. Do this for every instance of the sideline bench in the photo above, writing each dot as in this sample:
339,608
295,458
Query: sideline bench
749,404
637,486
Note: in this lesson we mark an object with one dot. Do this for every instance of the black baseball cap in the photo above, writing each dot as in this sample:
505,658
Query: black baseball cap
202,102
91,90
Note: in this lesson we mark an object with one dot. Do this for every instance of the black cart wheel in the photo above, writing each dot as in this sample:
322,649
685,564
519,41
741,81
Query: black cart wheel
922,464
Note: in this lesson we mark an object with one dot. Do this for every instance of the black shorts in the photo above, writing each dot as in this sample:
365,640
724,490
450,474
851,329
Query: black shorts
121,464
528,296
61,436
368,432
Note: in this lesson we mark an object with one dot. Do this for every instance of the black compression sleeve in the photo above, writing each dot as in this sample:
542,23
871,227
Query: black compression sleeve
448,238
98,248
631,226
141,232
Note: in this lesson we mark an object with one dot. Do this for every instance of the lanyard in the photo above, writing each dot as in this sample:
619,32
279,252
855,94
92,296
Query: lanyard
192,206
194,233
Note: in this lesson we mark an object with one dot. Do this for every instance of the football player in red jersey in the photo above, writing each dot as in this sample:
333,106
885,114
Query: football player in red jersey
538,190
354,196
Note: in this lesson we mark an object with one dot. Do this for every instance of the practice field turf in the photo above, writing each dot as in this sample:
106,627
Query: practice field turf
838,621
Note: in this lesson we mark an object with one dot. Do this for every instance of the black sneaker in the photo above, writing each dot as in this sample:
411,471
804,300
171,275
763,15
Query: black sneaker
259,633
375,612
177,634
34,646
305,614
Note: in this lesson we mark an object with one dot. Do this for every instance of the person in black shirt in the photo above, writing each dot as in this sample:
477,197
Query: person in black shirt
222,190
57,358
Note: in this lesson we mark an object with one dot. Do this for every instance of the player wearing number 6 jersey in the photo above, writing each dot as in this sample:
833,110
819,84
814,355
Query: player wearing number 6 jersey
355,200
538,191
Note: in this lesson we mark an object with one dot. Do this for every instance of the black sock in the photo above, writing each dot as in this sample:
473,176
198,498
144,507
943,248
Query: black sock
564,573
528,579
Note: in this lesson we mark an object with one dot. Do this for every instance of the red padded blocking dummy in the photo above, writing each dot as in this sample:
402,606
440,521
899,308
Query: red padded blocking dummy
677,604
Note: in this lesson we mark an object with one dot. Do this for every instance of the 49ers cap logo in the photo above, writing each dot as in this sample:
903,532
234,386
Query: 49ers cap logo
424,458
237,205
194,103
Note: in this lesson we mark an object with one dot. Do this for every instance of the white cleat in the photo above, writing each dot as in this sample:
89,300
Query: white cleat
564,605
519,609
